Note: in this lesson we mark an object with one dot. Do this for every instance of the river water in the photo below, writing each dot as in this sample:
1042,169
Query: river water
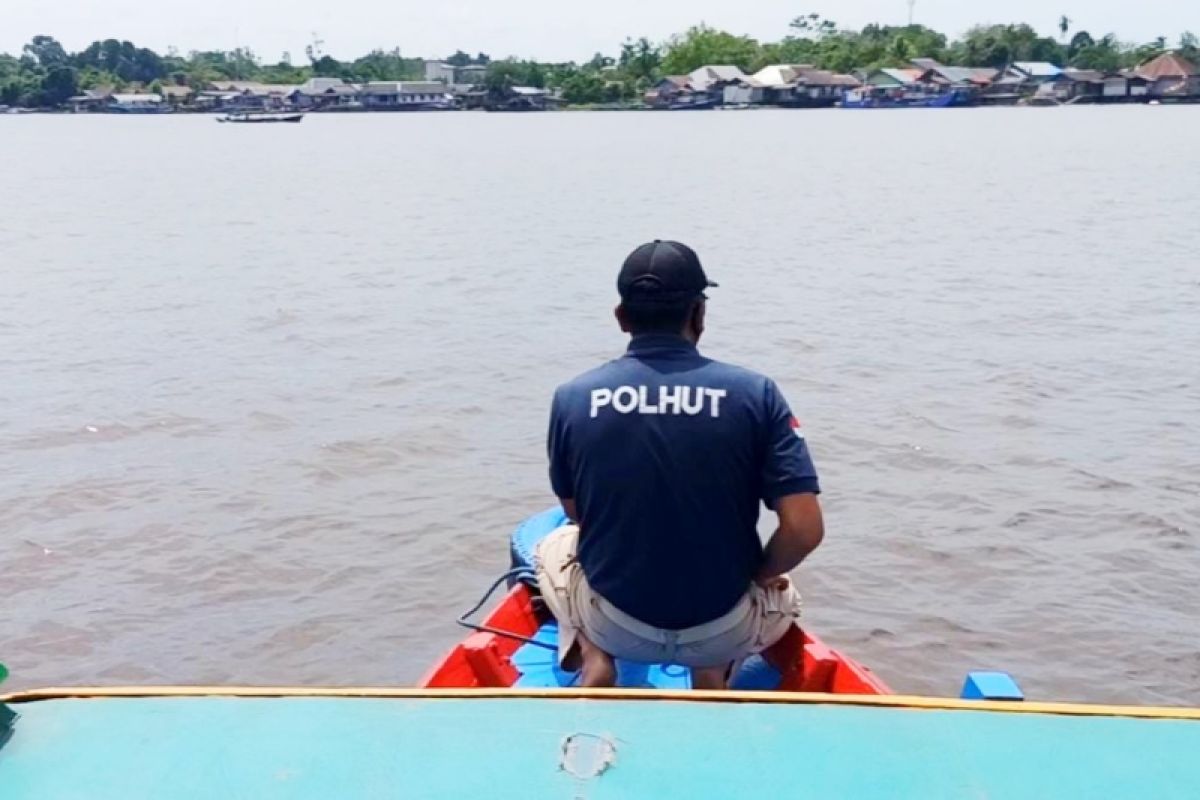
274,396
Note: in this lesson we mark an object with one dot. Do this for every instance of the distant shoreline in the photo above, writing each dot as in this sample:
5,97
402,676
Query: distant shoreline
581,109
816,63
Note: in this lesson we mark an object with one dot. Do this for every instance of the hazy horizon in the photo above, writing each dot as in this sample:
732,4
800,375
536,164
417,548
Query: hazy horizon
538,29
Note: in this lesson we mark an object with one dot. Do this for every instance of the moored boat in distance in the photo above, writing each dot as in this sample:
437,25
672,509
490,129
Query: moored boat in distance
873,98
262,116
689,103
515,646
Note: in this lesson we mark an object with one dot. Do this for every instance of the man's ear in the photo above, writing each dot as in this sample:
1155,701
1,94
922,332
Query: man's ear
698,318
622,318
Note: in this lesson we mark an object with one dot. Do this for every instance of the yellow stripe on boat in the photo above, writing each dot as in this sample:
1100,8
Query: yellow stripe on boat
694,696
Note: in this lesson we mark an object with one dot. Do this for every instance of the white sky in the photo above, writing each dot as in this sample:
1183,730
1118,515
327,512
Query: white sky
545,29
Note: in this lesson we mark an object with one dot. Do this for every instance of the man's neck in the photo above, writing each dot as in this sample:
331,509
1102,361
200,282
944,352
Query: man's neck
662,341
686,336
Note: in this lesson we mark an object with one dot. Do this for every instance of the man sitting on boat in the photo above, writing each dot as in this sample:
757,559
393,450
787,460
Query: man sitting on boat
662,457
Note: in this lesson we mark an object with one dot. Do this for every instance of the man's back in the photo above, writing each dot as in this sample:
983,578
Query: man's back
667,455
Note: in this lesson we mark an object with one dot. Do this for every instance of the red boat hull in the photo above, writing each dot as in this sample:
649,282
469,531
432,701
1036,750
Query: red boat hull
484,660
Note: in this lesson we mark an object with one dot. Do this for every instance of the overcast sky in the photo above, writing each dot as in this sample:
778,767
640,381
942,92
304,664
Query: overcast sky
545,29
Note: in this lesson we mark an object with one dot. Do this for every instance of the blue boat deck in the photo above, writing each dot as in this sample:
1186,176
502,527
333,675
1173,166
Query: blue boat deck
539,668
304,748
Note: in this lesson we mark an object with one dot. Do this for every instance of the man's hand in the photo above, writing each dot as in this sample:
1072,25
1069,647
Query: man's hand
801,529
778,583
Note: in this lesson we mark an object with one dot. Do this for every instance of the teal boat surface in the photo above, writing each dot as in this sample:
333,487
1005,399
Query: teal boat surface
505,744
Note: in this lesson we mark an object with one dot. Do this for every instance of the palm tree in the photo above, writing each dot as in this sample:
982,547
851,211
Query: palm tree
1064,25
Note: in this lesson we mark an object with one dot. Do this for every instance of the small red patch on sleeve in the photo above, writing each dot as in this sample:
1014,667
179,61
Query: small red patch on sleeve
795,424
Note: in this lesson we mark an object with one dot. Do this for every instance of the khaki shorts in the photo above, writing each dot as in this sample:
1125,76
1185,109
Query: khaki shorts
759,620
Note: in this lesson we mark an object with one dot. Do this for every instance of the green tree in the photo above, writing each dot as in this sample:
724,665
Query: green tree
925,42
502,76
1047,49
46,51
1103,54
599,62
640,60
1000,45
20,80
1136,56
1080,41
791,50
535,75
22,89
584,87
283,72
900,50
147,65
703,45
1064,25
61,82
9,67
123,59
328,67
91,78
814,26
1189,47
386,66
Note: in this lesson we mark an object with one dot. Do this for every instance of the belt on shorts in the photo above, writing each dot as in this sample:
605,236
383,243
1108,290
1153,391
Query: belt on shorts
697,633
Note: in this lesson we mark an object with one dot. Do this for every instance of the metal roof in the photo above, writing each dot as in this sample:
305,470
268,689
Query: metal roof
977,75
775,75
705,76
404,87
779,76
136,98
902,75
1038,69
321,84
253,87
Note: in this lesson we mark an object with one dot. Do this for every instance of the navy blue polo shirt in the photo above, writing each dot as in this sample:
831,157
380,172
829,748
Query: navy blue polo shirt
667,455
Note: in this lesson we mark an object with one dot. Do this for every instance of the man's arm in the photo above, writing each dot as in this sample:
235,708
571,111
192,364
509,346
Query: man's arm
562,477
569,508
790,489
801,529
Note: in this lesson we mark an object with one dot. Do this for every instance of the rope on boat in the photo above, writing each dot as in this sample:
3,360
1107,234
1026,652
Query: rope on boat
519,573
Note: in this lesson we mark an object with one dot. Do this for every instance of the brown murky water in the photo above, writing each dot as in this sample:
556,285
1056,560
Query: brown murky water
273,398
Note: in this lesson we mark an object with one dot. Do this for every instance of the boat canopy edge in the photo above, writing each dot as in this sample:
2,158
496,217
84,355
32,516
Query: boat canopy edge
794,698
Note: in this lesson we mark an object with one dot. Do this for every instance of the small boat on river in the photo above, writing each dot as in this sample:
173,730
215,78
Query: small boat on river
516,646
262,116
690,102
876,98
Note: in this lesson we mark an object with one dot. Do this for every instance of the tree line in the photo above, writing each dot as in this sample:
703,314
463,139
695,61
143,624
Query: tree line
821,42
46,75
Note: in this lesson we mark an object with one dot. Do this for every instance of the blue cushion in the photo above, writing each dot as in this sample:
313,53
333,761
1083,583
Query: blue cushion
539,668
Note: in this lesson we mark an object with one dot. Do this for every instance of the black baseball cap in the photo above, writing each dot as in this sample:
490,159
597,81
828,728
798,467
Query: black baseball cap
662,272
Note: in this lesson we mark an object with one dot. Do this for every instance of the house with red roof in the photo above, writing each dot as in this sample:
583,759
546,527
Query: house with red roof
1171,76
